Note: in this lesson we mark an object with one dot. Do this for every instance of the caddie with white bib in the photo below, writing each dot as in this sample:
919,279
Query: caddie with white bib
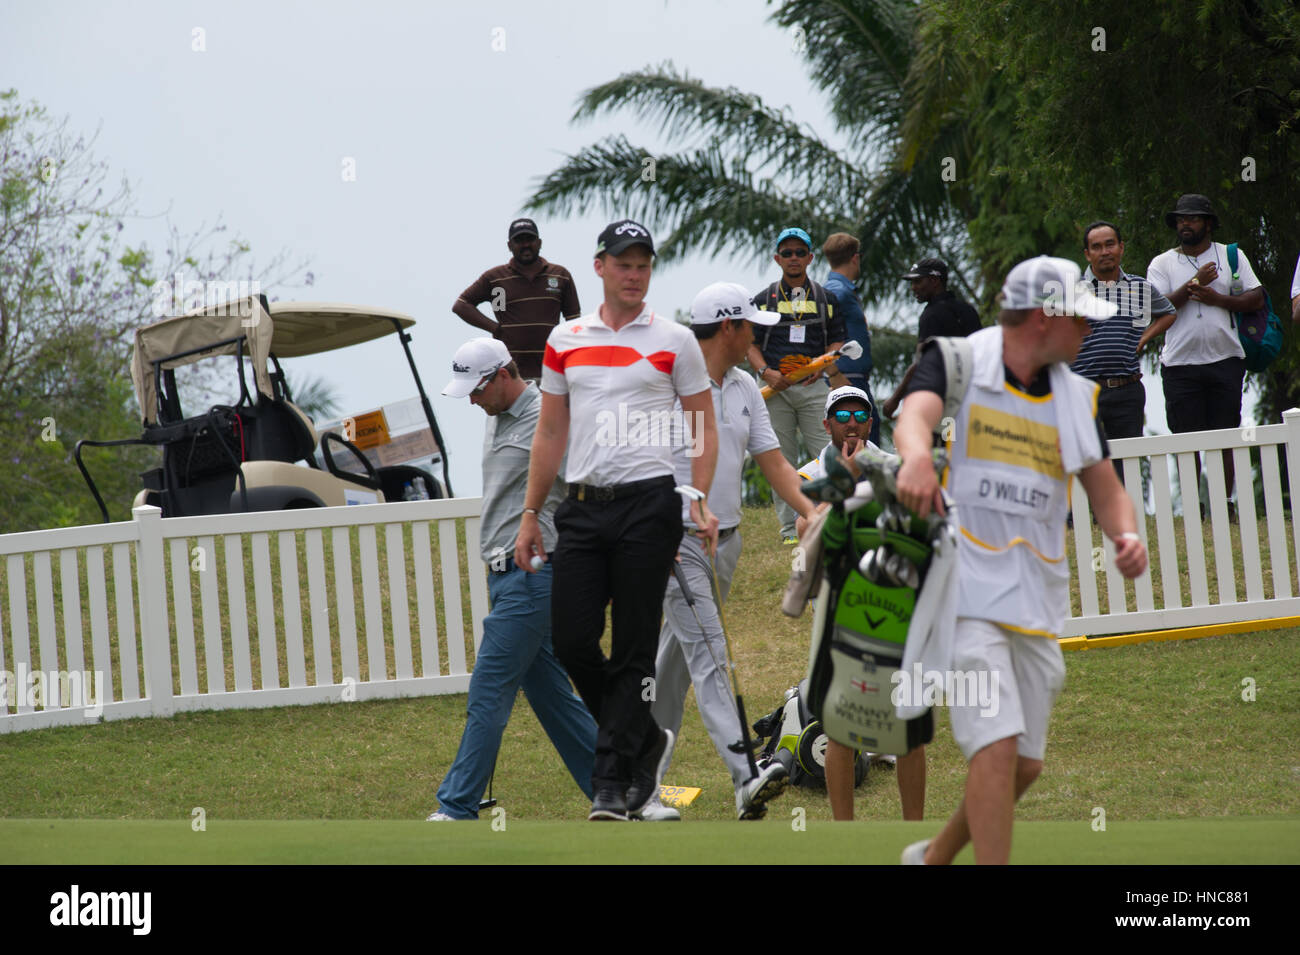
1023,428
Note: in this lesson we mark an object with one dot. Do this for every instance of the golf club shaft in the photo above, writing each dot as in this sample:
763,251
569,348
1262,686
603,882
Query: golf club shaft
731,663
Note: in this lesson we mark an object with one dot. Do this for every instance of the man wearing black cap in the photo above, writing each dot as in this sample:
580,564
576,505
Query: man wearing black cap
1203,363
528,294
611,381
945,316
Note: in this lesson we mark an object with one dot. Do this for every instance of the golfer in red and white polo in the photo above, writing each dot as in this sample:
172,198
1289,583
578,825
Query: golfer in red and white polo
609,383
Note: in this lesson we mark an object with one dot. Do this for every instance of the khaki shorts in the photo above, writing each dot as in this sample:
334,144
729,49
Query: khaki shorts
1018,678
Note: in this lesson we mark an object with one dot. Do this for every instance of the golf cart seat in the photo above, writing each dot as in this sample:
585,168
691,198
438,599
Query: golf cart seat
278,430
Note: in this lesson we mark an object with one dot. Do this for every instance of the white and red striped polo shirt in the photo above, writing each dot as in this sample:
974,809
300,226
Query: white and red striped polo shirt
622,385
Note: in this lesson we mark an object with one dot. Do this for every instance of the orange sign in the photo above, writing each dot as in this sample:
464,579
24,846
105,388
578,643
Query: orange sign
370,429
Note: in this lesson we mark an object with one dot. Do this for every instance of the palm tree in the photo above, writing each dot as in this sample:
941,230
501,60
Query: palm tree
748,170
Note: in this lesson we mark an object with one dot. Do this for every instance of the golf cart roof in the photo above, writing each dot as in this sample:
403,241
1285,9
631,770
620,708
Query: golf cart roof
224,329
306,328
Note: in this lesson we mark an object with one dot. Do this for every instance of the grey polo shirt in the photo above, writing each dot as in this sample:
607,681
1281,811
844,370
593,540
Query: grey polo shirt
506,446
743,425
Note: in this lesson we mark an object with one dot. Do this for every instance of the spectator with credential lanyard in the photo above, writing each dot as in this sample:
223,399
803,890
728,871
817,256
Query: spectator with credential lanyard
809,326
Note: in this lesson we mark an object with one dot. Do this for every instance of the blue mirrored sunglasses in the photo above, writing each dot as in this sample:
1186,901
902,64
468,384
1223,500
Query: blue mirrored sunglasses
862,417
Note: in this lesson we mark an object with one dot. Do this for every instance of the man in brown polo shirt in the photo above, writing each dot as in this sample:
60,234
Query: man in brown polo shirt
528,296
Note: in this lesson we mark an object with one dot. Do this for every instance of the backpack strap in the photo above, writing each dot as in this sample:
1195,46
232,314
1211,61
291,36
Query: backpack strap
958,364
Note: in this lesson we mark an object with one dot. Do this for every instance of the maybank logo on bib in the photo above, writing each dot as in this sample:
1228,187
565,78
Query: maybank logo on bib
1011,440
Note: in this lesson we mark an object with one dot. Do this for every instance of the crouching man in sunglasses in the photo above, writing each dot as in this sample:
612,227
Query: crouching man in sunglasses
848,422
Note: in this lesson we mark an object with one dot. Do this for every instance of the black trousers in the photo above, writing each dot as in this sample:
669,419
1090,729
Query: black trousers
1204,397
1122,412
620,551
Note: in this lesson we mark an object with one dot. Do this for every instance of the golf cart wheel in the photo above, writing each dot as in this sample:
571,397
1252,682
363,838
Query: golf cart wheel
812,750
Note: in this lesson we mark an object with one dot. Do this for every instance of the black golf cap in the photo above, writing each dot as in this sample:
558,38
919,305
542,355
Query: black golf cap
522,227
1192,205
620,236
928,267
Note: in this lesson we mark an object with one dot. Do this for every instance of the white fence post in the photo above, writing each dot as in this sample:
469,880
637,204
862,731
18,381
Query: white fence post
1291,418
155,634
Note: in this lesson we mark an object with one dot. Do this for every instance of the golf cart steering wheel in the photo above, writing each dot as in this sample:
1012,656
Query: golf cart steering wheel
368,480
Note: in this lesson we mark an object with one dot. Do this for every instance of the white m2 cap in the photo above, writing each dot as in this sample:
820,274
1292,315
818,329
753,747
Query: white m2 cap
723,300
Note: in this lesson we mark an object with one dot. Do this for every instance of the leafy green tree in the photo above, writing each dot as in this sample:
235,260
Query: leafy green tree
72,292
1123,107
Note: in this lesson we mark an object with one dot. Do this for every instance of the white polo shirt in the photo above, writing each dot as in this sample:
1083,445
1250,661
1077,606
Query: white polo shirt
1202,334
623,386
743,425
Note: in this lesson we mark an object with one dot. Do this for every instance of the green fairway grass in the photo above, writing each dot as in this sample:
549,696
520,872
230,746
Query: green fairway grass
774,841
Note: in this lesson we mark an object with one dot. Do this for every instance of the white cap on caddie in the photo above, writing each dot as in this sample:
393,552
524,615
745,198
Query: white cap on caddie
1054,285
474,361
847,391
728,300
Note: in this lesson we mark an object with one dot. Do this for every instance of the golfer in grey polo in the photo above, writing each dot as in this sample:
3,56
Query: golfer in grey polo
721,318
516,648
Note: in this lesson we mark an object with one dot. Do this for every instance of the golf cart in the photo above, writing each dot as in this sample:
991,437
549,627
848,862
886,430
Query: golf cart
245,457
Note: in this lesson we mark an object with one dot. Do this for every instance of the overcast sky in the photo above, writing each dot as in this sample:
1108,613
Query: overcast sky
449,112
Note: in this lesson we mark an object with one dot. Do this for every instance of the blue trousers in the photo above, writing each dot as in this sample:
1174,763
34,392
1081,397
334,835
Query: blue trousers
516,652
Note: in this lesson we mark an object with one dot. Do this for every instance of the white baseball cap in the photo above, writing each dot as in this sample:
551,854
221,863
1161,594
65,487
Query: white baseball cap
723,300
847,391
1054,285
474,361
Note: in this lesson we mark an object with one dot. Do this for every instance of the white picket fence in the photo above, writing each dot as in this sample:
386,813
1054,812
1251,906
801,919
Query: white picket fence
180,614
1258,589
168,604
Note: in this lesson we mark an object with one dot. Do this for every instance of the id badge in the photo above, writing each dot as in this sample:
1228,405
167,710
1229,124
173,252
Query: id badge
797,334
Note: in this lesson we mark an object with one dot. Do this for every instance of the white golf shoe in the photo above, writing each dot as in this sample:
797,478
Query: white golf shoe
656,811
915,853
753,796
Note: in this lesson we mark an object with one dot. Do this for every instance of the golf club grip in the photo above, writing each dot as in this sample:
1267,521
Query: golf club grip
681,582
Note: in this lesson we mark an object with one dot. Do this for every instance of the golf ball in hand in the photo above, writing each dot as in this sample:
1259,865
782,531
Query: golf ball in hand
537,562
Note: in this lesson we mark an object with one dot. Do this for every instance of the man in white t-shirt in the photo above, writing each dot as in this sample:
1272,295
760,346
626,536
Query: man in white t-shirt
848,417
691,650
1203,361
1295,293
612,382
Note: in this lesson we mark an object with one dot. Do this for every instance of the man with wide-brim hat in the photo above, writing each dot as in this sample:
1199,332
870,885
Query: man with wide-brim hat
1203,363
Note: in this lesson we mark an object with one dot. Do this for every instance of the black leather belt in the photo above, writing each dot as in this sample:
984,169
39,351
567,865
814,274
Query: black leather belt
725,532
1118,382
590,492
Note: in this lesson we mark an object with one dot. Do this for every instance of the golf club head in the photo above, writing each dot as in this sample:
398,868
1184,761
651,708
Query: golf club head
851,350
750,745
690,493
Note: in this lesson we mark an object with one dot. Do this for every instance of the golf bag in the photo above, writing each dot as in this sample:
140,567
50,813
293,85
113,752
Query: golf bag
795,739
875,562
